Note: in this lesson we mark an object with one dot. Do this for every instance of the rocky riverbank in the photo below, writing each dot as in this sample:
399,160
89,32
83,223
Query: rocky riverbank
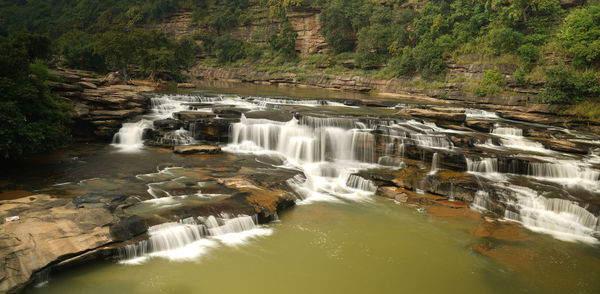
522,105
100,104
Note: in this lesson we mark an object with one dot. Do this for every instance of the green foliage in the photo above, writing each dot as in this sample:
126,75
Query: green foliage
504,40
284,42
341,20
492,83
529,53
31,119
580,35
229,49
565,86
77,48
228,14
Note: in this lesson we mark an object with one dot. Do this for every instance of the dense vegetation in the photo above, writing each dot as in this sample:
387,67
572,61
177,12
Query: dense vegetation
31,118
553,47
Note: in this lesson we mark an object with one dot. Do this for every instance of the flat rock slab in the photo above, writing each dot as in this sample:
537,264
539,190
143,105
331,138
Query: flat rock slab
197,149
37,231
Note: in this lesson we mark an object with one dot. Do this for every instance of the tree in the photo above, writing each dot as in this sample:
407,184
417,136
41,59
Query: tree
31,119
580,35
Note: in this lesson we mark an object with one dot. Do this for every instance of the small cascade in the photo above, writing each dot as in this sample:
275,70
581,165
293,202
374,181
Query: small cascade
485,165
435,163
177,137
513,138
130,136
333,122
190,237
563,219
432,140
478,113
358,182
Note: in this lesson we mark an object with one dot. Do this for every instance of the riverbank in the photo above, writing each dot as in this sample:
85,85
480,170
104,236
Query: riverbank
523,105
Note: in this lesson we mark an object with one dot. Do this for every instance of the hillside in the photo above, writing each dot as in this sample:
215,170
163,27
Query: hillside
498,51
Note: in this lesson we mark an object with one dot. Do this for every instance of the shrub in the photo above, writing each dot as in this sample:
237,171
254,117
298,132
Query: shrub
492,83
529,53
564,86
580,35
284,42
229,49
504,40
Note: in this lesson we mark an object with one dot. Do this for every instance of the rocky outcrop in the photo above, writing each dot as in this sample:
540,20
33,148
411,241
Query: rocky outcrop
38,232
455,115
99,106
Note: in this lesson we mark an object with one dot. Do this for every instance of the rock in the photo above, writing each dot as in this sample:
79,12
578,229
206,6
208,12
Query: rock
443,114
480,125
128,228
186,85
116,114
192,149
87,85
230,111
392,193
189,116
564,146
51,230
113,78
276,115
352,102
212,129
168,124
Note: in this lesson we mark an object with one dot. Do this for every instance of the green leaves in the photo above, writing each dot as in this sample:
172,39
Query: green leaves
580,35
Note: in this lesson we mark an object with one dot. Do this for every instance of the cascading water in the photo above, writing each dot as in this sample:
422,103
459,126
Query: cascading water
326,150
435,163
191,237
129,137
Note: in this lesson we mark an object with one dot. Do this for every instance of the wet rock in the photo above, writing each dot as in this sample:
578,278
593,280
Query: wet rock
212,129
189,116
195,149
150,134
352,102
485,126
168,124
564,146
442,114
128,228
230,111
276,115
393,193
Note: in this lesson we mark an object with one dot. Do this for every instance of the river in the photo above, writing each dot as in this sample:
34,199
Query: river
530,225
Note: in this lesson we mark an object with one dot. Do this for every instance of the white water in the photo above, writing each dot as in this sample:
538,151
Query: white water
322,148
192,237
513,138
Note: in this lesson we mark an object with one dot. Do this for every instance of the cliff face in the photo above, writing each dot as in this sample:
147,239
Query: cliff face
304,21
100,105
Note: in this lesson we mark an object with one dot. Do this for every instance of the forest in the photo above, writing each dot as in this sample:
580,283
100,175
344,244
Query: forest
555,47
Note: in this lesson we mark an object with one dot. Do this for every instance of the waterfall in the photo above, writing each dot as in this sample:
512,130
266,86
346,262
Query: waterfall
129,137
434,163
327,150
485,165
563,219
513,138
478,113
358,182
191,237
177,137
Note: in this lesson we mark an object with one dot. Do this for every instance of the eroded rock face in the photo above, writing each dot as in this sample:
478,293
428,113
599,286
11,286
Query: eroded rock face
436,113
100,104
38,231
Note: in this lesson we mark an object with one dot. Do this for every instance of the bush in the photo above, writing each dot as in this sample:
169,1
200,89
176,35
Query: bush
341,20
529,53
564,86
284,42
229,49
492,83
77,48
580,35
373,44
504,40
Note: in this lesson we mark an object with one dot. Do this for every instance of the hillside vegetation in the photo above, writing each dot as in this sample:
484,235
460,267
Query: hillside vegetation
554,46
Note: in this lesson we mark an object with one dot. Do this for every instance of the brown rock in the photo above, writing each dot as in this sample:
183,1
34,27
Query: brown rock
444,114
192,149
87,85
